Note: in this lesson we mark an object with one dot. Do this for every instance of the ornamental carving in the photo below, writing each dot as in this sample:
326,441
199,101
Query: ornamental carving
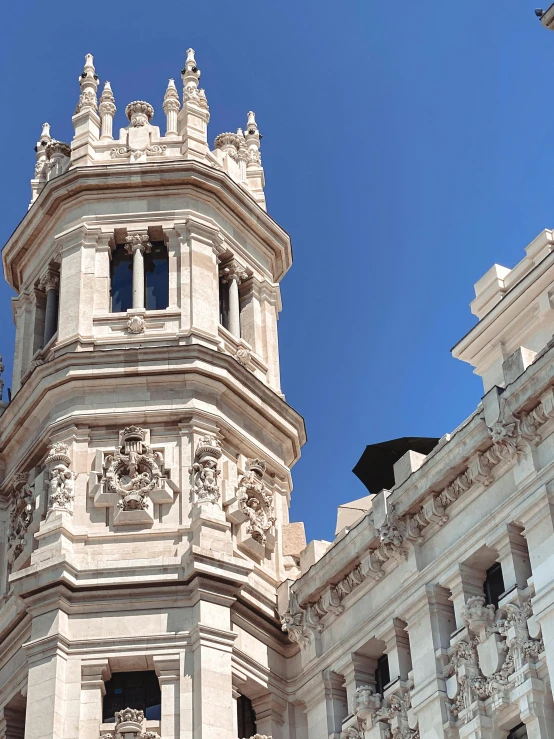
61,480
1,380
391,713
255,502
482,663
136,325
129,724
134,471
143,139
205,470
21,514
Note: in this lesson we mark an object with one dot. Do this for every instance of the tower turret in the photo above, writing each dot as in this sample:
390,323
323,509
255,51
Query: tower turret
145,455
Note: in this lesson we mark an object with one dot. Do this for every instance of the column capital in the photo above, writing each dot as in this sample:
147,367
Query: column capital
137,242
50,280
233,270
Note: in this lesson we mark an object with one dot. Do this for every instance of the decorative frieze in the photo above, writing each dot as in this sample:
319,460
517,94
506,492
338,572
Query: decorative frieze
205,470
61,480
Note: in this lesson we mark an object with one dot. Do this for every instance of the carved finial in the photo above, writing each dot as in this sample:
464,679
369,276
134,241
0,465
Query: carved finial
45,132
88,81
171,107
253,138
107,110
190,75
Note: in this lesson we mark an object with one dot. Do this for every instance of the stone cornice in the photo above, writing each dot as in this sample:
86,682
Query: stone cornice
192,359
98,180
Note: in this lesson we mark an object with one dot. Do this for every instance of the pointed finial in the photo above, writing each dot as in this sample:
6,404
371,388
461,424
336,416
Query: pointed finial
45,132
171,107
171,93
190,72
253,137
107,110
88,81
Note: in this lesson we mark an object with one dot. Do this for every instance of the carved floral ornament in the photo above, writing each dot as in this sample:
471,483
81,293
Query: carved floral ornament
255,502
205,470
392,713
130,724
511,436
483,663
133,471
61,480
21,515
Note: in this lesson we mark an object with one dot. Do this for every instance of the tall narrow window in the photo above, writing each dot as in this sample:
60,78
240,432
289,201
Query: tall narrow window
494,584
382,674
224,304
246,717
121,279
140,690
156,268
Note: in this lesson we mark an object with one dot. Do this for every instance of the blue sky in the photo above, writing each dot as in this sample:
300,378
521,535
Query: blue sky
407,147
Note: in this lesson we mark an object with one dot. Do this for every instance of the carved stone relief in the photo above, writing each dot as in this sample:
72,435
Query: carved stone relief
206,472
61,480
142,138
130,724
21,514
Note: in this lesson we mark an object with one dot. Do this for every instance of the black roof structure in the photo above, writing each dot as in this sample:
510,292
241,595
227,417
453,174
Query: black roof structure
375,466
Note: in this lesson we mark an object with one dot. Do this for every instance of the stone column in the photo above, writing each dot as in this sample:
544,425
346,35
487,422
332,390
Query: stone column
464,583
167,670
270,715
171,107
233,273
137,245
50,283
513,556
398,650
325,700
46,702
94,673
107,111
357,670
430,627
212,645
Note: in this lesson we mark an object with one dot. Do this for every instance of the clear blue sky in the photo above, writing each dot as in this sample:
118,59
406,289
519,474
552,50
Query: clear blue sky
407,147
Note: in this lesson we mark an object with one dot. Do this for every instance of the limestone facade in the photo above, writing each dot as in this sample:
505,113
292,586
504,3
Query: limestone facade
151,583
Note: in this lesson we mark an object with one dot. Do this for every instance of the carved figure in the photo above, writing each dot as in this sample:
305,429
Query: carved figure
61,482
205,470
20,516
255,502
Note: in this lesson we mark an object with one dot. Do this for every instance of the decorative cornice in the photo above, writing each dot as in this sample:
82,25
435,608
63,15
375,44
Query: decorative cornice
510,436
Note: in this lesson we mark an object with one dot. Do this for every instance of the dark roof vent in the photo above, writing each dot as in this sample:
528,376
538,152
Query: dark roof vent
375,466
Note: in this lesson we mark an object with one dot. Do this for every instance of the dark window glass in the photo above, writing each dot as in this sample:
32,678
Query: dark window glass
121,280
246,718
494,584
382,674
140,690
224,304
519,732
156,269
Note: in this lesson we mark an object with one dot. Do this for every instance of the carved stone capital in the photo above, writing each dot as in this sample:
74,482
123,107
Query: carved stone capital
140,242
233,270
50,281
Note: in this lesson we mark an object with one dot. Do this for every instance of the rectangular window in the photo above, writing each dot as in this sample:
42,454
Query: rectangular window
519,732
121,279
156,270
494,584
382,674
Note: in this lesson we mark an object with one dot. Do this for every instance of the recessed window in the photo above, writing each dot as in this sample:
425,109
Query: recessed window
121,280
156,269
246,717
494,584
224,304
140,690
519,732
382,674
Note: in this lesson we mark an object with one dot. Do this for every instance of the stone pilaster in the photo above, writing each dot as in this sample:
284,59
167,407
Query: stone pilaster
94,673
270,715
167,670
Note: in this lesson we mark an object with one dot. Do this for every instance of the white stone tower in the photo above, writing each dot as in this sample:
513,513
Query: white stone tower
145,455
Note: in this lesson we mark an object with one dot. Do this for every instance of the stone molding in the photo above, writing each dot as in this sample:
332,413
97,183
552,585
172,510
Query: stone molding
511,436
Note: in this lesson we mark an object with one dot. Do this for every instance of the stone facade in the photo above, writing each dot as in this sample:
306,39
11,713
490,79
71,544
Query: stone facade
151,584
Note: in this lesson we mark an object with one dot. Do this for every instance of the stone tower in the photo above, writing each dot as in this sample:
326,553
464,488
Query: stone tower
145,454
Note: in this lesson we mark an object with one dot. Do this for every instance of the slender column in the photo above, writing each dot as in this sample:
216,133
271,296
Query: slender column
137,245
171,108
50,283
167,669
233,273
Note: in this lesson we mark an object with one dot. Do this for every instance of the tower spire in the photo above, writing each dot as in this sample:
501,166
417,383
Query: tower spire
107,111
195,114
86,121
171,107
254,169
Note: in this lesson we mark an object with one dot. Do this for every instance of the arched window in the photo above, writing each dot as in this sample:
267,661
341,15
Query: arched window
246,718
156,269
121,279
140,690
